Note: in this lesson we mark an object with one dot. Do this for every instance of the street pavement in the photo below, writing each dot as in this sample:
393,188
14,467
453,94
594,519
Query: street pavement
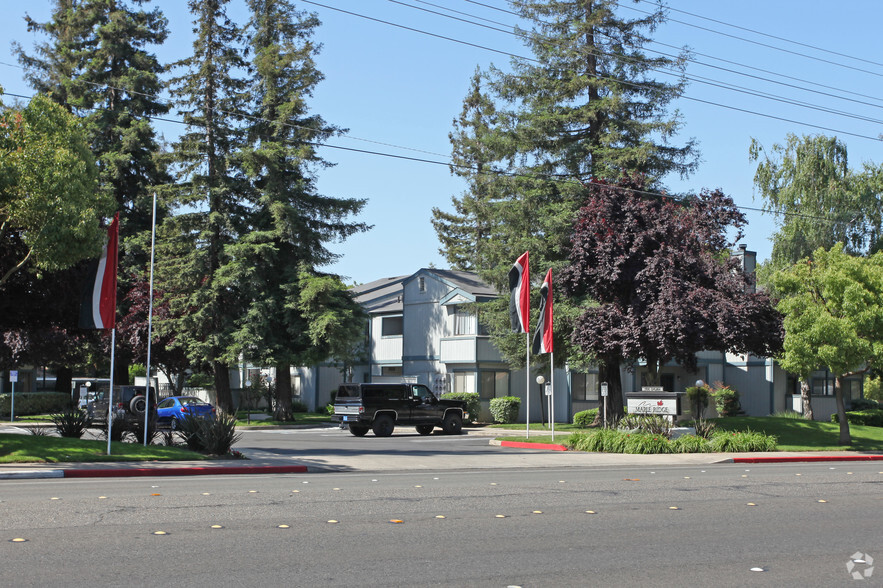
507,455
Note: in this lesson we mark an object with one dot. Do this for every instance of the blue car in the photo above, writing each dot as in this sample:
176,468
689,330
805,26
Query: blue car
174,409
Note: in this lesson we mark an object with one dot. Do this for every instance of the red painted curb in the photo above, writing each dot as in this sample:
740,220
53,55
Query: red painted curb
193,471
526,445
807,458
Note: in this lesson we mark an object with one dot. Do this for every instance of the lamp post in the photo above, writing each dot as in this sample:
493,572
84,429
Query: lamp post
541,380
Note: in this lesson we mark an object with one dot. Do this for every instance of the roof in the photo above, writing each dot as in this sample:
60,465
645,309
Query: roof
384,296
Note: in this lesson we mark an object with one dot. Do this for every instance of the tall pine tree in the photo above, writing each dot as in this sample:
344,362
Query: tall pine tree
289,222
585,106
210,193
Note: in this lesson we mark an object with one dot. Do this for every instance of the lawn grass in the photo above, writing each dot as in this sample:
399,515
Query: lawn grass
17,448
803,435
792,434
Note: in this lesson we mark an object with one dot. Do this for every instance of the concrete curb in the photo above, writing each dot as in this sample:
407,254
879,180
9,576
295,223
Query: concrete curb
155,471
528,445
807,458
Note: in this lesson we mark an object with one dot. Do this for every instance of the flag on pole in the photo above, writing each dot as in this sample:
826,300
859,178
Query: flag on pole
98,304
542,339
519,294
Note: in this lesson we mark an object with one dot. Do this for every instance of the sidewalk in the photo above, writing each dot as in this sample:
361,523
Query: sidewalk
510,455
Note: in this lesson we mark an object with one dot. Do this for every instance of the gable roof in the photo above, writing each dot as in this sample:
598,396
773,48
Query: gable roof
384,296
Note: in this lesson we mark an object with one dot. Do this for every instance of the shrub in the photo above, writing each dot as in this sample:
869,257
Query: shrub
646,443
699,397
726,400
704,428
137,371
652,424
214,437
874,389
690,444
118,428
864,404
585,418
219,435
200,381
473,405
870,417
742,441
71,423
298,406
35,403
136,428
505,409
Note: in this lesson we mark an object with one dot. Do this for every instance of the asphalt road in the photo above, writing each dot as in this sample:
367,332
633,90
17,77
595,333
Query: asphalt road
710,525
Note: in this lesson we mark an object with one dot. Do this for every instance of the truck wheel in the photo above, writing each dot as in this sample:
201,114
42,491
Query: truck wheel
383,426
453,424
358,430
138,405
425,429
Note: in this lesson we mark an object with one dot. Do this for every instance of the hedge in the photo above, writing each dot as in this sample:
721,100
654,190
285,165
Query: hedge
505,409
35,403
872,417
473,405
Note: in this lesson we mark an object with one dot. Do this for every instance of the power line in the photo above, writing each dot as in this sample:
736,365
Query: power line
624,82
557,178
768,35
691,77
767,45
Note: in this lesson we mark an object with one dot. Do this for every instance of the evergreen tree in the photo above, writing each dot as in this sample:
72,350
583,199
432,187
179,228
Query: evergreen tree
289,222
584,107
210,193
97,64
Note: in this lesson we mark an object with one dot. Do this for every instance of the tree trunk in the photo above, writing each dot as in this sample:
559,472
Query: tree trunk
806,398
222,387
283,393
845,439
608,371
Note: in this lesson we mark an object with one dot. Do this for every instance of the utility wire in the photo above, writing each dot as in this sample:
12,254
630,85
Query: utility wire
691,77
624,82
557,178
768,35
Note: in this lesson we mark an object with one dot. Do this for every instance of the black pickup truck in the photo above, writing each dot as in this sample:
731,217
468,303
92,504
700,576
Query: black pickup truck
380,407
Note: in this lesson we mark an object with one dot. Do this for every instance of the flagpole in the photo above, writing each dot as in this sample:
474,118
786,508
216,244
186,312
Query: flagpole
150,321
113,339
552,380
527,387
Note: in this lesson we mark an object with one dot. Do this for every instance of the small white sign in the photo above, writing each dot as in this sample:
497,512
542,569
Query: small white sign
652,389
666,406
604,389
13,375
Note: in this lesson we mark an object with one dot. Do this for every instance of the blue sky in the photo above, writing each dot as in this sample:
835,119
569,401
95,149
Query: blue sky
398,91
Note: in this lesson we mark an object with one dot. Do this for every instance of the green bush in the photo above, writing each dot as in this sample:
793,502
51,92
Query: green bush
585,418
870,417
699,397
874,389
646,443
742,441
71,423
726,400
473,404
646,423
505,409
35,403
298,406
136,371
200,381
214,437
690,444
863,404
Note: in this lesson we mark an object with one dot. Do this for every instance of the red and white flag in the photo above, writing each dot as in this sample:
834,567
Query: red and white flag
542,339
98,304
519,294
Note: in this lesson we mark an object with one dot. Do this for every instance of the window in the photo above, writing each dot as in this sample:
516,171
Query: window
494,384
464,382
421,284
585,386
464,322
394,371
392,326
823,386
